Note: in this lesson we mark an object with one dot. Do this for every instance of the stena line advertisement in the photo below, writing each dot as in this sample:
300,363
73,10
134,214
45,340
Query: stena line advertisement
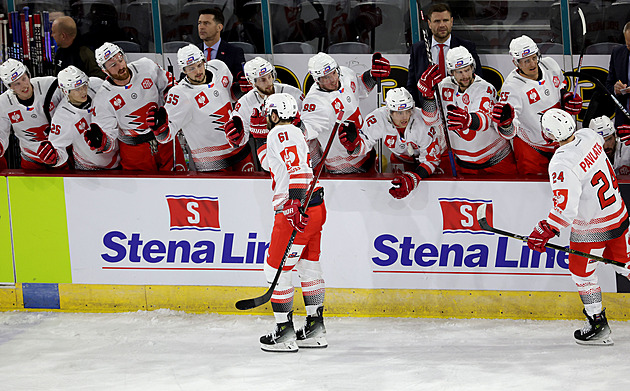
181,231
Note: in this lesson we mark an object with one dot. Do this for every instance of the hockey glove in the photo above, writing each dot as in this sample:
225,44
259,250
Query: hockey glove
293,212
503,114
429,79
380,66
258,124
623,132
243,83
571,103
459,119
540,236
95,138
157,120
349,136
234,131
403,184
47,153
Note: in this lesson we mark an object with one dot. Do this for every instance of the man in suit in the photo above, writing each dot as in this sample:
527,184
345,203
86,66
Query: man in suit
440,24
617,80
210,25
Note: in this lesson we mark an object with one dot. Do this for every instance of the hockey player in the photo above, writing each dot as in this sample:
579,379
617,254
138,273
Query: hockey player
536,85
468,100
339,88
287,159
586,197
200,105
121,106
617,148
27,107
71,120
247,118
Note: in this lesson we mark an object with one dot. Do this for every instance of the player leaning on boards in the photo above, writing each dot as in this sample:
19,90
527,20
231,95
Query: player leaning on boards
616,146
585,197
287,158
536,85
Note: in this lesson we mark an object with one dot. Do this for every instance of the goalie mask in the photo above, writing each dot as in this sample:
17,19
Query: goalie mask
602,126
258,67
71,78
399,99
557,125
522,47
11,70
189,55
105,53
283,104
457,58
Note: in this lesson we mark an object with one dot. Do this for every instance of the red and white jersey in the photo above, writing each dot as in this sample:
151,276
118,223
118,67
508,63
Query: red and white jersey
67,128
621,158
421,140
288,161
200,111
585,191
483,146
29,123
531,98
121,111
319,113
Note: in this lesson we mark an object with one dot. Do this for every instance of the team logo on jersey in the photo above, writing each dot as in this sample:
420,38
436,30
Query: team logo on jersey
16,117
225,81
560,198
81,126
556,81
486,104
118,102
353,87
290,158
533,96
459,215
390,141
466,99
447,94
337,105
147,83
192,212
201,99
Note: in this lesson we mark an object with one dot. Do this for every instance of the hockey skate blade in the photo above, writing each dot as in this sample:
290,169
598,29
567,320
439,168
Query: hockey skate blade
313,343
597,342
282,347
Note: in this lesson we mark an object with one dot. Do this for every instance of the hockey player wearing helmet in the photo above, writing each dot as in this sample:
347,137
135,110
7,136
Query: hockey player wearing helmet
586,198
287,158
536,85
339,88
122,106
468,100
27,107
616,143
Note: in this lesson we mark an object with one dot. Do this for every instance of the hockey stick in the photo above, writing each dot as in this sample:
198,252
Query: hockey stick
576,80
248,304
600,86
483,223
379,95
438,100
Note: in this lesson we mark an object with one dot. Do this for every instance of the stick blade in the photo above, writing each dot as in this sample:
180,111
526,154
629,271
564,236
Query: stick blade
248,304
481,217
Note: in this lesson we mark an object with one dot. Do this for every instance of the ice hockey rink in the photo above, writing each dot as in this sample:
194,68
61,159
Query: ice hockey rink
169,350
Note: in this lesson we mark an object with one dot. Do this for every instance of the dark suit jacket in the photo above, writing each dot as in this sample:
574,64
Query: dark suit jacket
419,62
618,70
232,56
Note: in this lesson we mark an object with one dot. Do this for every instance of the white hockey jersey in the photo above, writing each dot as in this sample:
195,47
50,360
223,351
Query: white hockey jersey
421,141
585,191
200,111
484,147
621,158
67,128
319,113
29,123
121,111
530,99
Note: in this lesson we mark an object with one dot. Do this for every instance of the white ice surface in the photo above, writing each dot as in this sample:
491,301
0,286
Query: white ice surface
168,350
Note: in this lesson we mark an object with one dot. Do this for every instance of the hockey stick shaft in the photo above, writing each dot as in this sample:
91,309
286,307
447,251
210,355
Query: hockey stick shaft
379,95
579,68
247,304
601,86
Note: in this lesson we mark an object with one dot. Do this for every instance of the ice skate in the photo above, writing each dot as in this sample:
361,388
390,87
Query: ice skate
282,339
595,331
313,334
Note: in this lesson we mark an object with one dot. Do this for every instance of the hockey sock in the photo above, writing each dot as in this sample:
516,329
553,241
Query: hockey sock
590,293
282,303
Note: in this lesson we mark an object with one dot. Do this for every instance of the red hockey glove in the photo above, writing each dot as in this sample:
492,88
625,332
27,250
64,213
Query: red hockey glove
458,119
571,103
380,66
349,136
503,114
258,124
623,132
47,153
297,121
404,184
429,79
157,120
95,138
293,212
540,236
234,131
243,83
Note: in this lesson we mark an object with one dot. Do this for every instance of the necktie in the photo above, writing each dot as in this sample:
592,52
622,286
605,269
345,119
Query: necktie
441,60
209,54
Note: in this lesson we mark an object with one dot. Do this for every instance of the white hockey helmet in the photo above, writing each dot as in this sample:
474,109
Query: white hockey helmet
105,52
522,47
399,99
602,125
71,78
320,65
557,125
457,58
258,67
188,55
11,70
282,103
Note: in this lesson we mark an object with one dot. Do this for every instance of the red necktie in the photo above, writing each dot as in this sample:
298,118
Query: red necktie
441,60
209,54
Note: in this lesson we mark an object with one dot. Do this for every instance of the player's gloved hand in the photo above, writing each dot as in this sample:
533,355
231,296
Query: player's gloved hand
623,132
349,136
258,124
293,212
157,120
503,114
243,83
458,119
95,137
47,153
403,184
380,66
571,103
429,79
540,236
234,131
297,121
